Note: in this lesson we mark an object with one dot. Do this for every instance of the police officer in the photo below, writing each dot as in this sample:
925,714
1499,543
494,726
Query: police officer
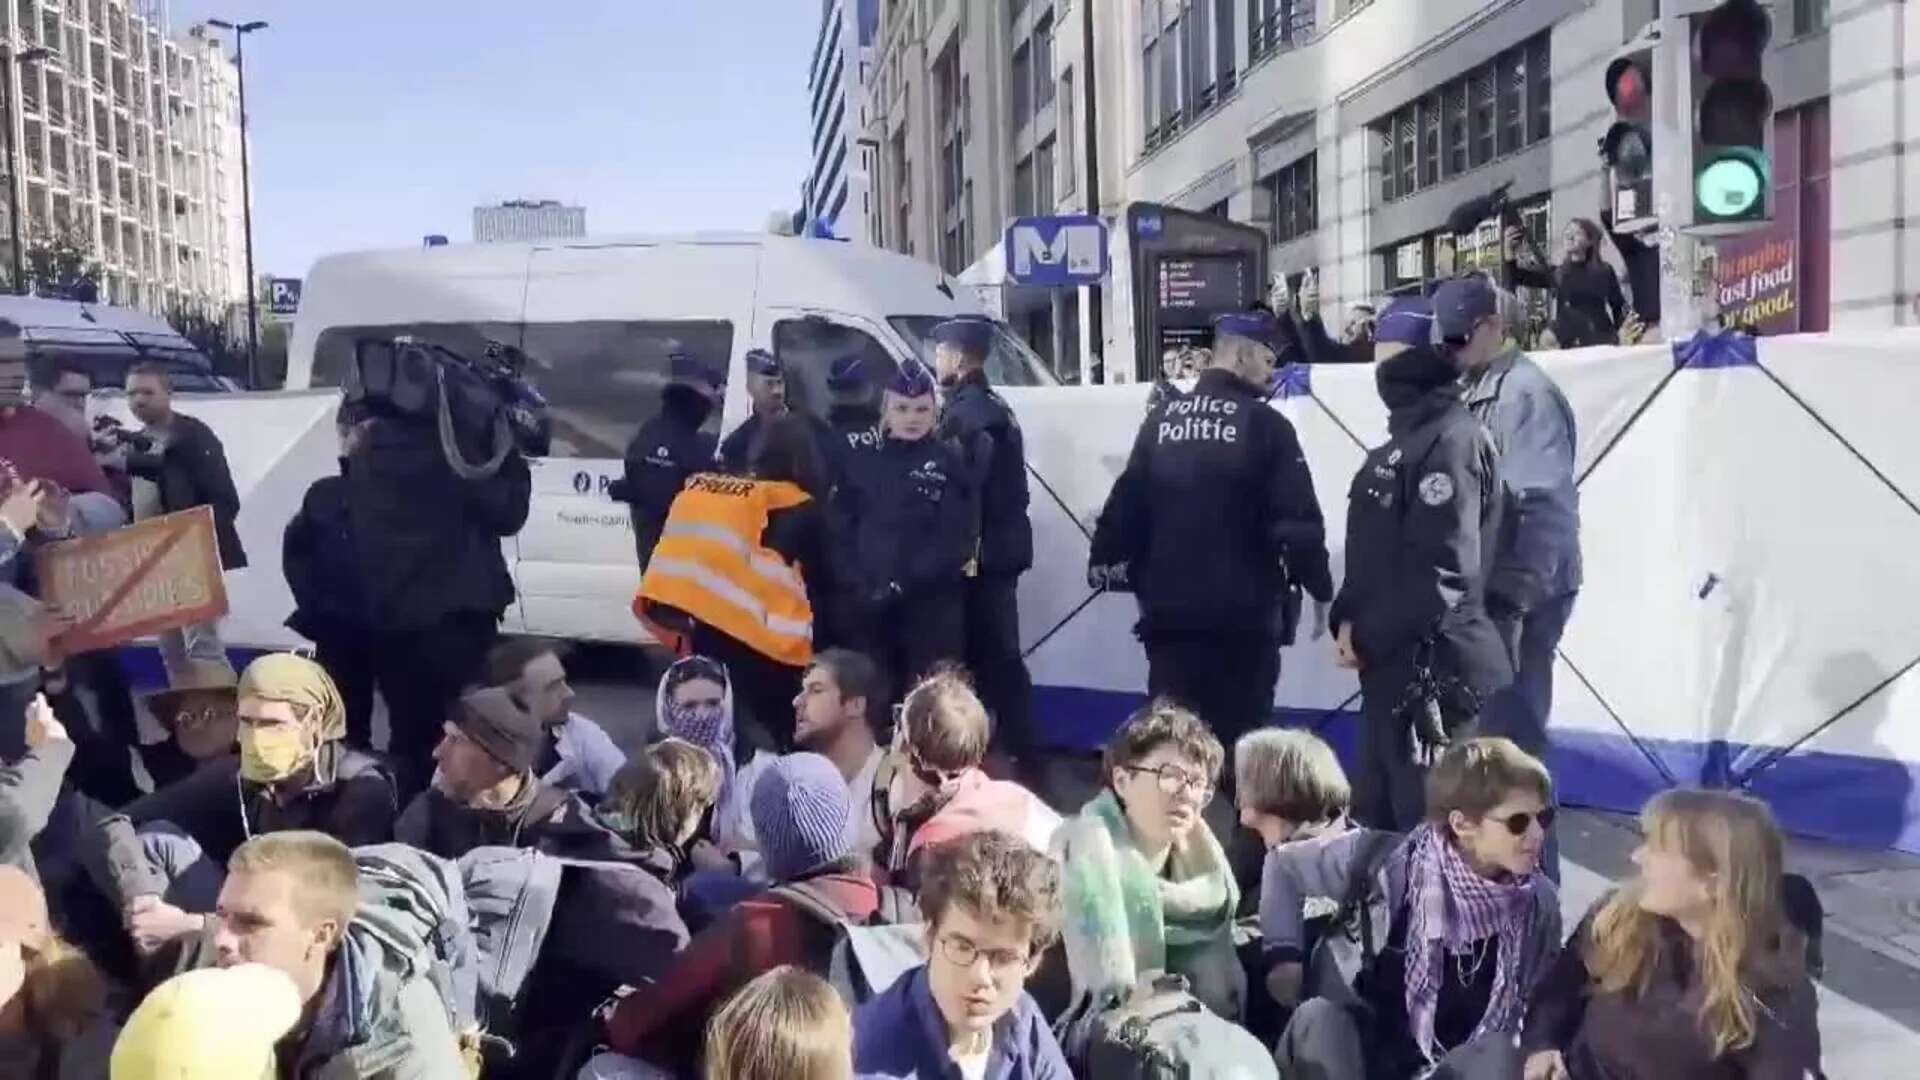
669,448
853,415
913,516
979,421
1423,518
1536,576
767,391
1211,524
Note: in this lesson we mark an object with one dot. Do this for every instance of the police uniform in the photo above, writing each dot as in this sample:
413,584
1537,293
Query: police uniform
1423,521
852,413
736,450
910,517
1212,522
668,449
979,421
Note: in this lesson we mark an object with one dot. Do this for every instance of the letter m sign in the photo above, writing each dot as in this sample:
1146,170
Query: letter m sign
1056,252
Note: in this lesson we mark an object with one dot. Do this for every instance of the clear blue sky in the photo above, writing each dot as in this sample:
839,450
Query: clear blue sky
374,124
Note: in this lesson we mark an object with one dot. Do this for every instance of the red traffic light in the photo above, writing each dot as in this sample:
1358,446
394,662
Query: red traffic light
1629,87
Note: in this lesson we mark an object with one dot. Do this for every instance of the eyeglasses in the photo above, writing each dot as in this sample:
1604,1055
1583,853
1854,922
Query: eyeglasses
1174,779
963,953
1517,824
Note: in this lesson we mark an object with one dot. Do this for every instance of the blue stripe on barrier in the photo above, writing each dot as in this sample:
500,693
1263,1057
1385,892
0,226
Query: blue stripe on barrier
1846,798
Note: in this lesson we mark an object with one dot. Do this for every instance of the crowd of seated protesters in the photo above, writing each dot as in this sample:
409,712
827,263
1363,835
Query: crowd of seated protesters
1435,952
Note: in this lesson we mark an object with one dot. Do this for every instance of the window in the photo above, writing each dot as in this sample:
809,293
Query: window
1261,33
1405,126
1199,58
600,376
1022,88
1223,45
1023,188
1044,199
1043,62
1496,109
1009,361
950,88
1150,93
1809,16
1454,122
1170,76
808,347
1539,78
1429,140
1069,133
1480,116
1510,73
1295,205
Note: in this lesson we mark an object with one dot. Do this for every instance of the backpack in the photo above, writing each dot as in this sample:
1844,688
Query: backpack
866,958
1162,1032
1346,948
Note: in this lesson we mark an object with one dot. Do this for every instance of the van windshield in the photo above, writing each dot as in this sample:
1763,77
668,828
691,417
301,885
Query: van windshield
1009,363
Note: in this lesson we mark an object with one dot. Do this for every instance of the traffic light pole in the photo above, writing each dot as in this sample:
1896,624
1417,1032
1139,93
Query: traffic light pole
1684,294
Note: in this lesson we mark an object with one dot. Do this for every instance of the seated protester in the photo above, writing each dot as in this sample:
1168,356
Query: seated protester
986,897
207,1023
1462,922
842,704
29,786
800,810
1148,888
294,770
576,754
56,1009
1689,970
658,804
788,1024
199,709
938,790
1289,788
695,703
288,900
484,793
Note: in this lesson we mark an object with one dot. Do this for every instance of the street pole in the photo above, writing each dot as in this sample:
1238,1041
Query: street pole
1096,342
13,176
240,32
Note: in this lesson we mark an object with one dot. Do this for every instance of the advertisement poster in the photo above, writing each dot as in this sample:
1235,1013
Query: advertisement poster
1757,279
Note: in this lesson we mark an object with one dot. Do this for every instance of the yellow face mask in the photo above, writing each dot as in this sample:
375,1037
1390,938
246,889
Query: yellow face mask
271,754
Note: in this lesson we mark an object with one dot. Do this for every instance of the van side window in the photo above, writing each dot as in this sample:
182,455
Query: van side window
808,347
602,379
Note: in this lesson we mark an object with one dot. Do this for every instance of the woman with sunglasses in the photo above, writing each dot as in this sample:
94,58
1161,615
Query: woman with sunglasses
1693,968
1148,887
1442,932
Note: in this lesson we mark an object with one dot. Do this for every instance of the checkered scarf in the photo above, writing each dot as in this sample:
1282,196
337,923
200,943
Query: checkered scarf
1450,909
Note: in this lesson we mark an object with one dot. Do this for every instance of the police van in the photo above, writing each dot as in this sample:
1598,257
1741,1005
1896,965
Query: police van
598,319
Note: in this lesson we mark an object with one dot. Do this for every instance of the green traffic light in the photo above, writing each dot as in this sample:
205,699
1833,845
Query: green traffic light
1731,186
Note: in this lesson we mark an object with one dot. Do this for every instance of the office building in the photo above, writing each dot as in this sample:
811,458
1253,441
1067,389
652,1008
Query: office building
521,220
837,197
129,138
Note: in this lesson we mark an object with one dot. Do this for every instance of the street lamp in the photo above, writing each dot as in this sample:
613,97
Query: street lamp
9,62
240,32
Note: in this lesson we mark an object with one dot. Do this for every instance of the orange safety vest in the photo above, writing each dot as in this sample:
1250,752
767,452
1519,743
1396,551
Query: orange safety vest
710,563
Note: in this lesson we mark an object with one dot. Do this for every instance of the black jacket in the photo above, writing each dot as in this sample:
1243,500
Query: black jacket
1588,305
191,470
357,804
802,535
429,541
1214,514
1423,527
736,450
664,452
857,428
548,819
979,421
908,516
322,565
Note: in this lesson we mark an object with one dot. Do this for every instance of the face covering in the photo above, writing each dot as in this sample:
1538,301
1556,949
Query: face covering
269,755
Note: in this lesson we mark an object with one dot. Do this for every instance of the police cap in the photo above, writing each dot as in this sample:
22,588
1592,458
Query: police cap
762,362
971,334
912,380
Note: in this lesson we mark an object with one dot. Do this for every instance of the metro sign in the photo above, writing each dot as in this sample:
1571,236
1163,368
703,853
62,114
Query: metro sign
1056,252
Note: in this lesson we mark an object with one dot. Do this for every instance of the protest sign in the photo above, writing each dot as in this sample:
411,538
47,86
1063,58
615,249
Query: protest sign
156,575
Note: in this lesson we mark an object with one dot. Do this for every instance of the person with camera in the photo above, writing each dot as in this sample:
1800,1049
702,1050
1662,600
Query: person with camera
428,522
1589,308
182,456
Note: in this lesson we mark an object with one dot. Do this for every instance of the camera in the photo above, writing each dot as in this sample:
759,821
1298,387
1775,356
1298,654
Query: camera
484,401
109,434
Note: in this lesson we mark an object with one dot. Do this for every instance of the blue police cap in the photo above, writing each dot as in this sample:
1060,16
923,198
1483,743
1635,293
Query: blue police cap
1258,326
970,333
689,370
1460,304
1407,321
846,375
762,362
912,380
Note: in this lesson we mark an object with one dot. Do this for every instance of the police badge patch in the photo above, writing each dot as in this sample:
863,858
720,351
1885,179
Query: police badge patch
1436,489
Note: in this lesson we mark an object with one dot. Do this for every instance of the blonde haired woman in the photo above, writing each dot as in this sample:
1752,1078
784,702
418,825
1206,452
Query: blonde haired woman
1689,970
787,1024
56,1009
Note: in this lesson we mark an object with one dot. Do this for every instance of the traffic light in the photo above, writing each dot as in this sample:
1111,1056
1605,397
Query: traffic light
1627,147
1732,174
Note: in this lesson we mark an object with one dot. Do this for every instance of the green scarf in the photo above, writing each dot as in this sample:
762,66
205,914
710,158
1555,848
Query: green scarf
1122,917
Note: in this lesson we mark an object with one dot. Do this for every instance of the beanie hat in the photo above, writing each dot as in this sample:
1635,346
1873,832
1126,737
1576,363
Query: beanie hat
502,727
800,809
208,1024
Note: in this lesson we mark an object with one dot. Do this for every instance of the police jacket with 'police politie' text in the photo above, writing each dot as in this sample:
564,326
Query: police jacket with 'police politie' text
984,426
911,515
1214,513
1423,523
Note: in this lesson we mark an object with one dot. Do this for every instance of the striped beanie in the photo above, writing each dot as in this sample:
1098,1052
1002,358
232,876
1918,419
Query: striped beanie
800,812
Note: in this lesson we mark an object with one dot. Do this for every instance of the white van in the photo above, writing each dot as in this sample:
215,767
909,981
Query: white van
597,320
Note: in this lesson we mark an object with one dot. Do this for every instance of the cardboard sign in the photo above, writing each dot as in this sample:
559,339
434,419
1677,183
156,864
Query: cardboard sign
159,574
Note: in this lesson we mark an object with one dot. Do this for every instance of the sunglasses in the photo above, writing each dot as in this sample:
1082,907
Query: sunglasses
1517,823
